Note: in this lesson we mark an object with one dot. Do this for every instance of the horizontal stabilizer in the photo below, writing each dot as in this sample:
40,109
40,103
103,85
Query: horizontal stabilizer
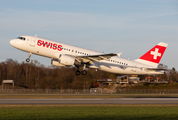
156,69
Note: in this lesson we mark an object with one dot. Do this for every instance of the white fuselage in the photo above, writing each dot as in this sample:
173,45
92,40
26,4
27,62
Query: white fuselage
53,49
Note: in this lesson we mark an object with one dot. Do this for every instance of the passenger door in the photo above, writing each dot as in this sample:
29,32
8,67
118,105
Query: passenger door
33,41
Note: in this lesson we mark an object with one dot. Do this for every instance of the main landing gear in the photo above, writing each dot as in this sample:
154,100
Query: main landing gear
28,59
84,72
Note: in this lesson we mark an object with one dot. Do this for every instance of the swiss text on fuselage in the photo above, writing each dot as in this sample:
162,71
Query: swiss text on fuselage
49,45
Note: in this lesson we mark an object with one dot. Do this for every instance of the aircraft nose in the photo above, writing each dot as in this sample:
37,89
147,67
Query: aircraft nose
12,42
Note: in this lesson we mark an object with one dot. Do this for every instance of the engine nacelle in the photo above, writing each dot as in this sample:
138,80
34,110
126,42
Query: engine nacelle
66,60
55,62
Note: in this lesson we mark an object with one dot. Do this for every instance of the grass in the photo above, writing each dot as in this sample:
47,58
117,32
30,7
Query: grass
88,112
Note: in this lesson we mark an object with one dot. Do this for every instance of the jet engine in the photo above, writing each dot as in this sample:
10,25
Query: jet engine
65,60
55,62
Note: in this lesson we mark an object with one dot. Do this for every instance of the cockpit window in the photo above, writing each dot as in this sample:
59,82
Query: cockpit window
22,38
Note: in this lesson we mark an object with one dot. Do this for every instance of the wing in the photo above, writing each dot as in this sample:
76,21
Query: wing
91,58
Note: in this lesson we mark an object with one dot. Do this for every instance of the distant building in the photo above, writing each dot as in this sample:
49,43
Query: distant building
122,80
7,82
134,80
106,81
150,80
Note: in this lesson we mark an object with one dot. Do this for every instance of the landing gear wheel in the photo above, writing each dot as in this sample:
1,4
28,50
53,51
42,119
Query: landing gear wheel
84,72
27,60
77,73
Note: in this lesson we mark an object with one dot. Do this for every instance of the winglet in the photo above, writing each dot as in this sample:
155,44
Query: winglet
119,54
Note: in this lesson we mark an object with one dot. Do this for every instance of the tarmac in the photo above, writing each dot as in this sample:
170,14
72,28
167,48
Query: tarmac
103,101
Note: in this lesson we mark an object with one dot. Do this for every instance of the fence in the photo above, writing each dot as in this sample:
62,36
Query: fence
88,91
55,91
147,91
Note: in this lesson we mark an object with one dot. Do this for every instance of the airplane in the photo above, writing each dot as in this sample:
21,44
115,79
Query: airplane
67,55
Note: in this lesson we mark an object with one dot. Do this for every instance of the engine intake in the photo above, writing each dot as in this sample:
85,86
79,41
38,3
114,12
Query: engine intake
65,60
55,62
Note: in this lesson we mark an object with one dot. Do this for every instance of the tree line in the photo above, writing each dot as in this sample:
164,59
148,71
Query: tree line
34,75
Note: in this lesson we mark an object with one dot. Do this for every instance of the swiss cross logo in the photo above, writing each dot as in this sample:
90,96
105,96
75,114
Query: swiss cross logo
155,53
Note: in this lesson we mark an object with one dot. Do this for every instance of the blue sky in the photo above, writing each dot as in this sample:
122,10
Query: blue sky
113,26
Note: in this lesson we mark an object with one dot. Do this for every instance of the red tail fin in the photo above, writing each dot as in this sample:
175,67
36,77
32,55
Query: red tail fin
153,56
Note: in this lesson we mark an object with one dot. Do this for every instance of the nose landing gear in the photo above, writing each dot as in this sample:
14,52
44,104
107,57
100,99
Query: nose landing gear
28,59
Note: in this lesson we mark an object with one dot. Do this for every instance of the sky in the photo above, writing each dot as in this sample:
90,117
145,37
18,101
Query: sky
111,26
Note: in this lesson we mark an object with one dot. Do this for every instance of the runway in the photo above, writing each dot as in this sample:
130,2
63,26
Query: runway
137,101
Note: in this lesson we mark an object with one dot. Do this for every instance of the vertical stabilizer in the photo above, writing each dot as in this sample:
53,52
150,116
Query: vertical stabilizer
153,56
